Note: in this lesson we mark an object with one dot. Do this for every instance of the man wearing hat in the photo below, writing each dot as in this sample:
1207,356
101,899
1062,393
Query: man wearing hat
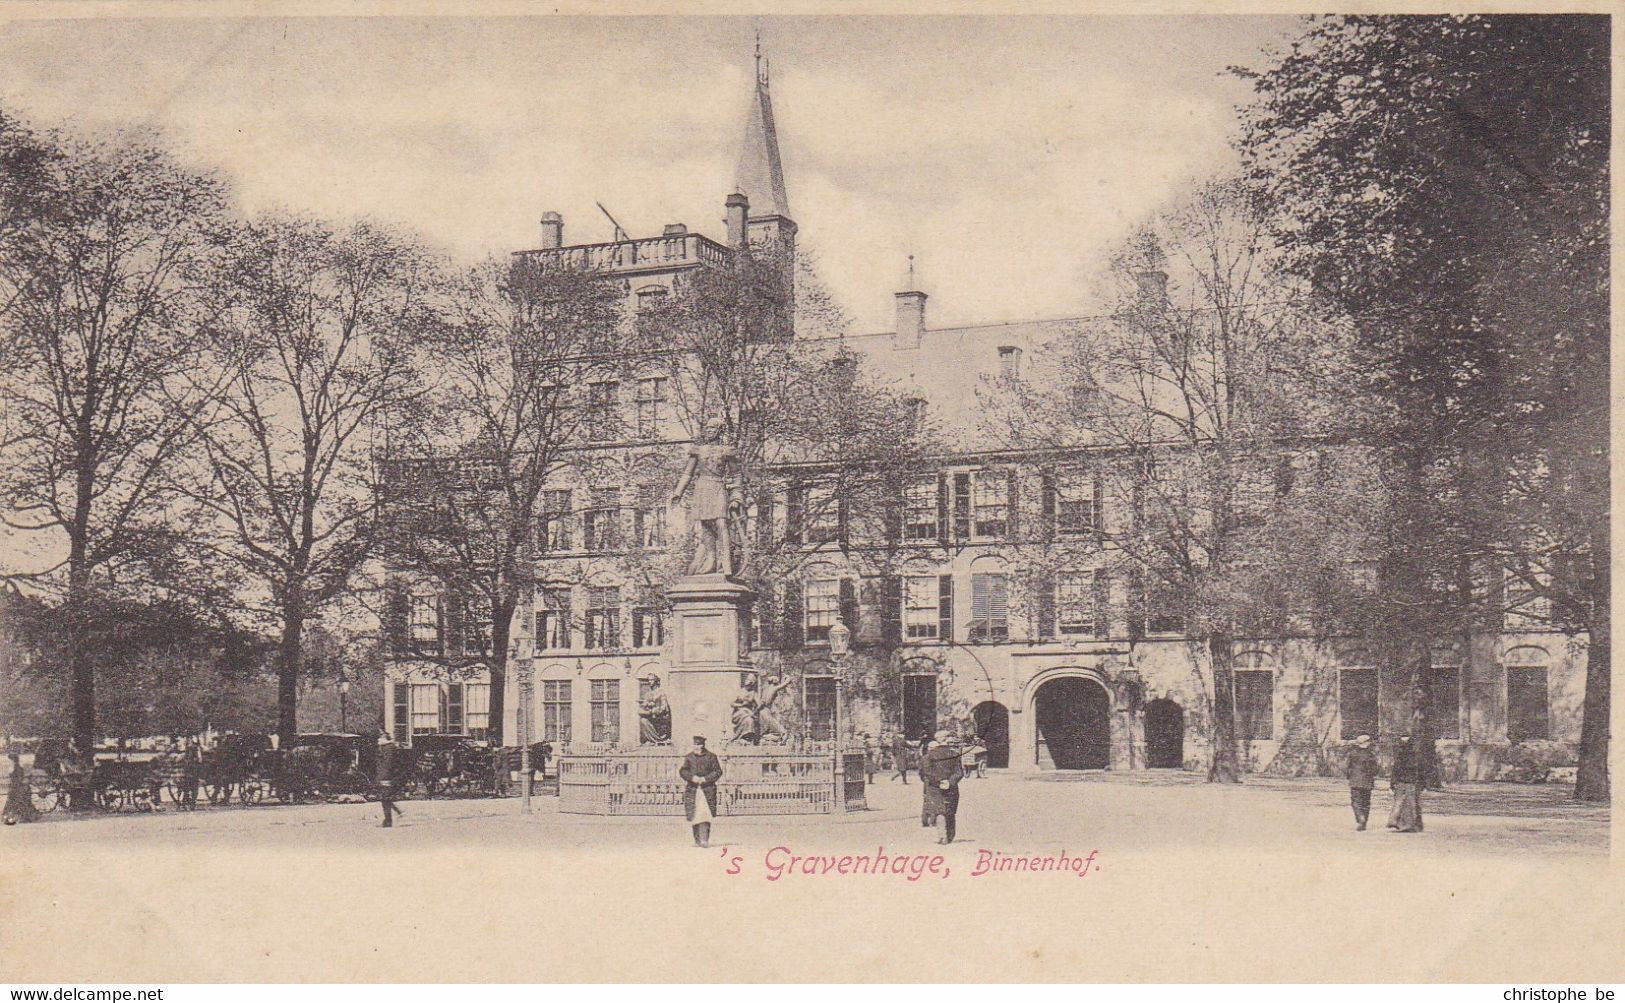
941,771
1362,771
701,771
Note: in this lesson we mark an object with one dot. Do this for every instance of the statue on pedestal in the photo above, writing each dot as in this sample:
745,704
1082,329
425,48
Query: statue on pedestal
754,718
654,713
711,502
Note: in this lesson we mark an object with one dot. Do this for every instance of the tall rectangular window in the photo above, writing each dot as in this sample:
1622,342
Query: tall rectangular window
603,418
553,620
426,709
555,523
403,713
601,523
1444,711
477,713
556,711
425,623
649,525
992,494
823,599
1528,704
921,619
606,711
1078,603
604,617
822,514
989,607
1077,512
1164,608
650,403
1357,702
648,623
920,511
1255,705
819,700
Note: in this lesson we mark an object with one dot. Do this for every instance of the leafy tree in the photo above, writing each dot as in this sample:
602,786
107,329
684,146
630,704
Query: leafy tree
317,352
104,251
1444,182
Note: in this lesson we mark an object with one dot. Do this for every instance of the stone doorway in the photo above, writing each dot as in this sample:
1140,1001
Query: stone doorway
1073,715
992,721
1164,735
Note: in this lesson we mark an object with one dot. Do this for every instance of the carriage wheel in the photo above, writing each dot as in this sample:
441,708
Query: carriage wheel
48,796
253,792
107,798
217,792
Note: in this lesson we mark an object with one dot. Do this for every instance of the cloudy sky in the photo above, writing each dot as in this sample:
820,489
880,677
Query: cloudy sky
1007,155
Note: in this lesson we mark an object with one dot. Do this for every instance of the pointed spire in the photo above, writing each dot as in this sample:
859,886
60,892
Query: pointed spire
760,174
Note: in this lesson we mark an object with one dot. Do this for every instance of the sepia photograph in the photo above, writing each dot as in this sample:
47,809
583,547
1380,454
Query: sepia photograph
490,495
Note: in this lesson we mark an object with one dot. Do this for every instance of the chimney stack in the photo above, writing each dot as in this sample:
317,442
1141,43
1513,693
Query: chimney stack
910,319
552,231
1152,286
738,212
675,230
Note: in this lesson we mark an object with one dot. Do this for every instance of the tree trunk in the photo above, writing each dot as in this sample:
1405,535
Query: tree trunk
1591,780
290,658
1224,767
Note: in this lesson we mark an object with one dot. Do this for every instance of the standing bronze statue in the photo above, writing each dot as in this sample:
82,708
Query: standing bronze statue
710,505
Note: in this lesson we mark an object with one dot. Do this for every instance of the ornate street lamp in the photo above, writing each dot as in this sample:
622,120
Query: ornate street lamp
840,642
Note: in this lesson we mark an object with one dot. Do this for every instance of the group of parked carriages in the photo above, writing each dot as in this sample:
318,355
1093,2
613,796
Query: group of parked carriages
251,770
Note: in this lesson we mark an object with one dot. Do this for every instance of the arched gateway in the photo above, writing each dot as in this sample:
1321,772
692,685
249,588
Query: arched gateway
1073,717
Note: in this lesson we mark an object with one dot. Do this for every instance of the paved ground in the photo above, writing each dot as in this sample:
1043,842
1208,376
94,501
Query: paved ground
1267,880
1145,812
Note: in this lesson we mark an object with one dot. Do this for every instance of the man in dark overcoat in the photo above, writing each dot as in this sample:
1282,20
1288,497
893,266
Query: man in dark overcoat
386,778
701,771
940,772
1362,772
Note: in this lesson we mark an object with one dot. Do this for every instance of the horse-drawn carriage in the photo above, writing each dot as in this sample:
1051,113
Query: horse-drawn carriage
446,764
326,765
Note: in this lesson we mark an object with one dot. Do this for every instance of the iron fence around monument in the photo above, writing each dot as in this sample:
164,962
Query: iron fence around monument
754,782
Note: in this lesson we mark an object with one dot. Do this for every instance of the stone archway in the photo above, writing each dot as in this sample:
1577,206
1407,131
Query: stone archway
1072,718
992,720
1164,735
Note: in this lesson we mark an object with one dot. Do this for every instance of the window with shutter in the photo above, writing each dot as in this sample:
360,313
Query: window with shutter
403,722
553,620
990,608
454,708
945,607
922,614
1046,589
793,634
793,509
962,506
942,509
823,601
764,519
849,606
891,608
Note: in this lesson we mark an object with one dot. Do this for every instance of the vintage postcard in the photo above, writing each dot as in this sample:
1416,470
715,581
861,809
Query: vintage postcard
1076,495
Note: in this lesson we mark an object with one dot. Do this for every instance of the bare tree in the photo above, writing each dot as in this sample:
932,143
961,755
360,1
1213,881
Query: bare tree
1194,403
103,258
317,347
524,340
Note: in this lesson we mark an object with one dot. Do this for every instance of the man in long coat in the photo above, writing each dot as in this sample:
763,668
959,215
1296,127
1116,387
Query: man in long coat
940,772
701,771
386,778
1362,770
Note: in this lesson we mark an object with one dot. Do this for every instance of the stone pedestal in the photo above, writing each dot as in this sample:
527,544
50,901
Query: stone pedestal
707,653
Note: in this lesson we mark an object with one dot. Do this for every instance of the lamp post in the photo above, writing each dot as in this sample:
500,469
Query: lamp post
840,642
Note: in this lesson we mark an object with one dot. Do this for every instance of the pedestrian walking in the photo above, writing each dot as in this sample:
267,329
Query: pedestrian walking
386,778
1406,780
19,802
191,773
900,753
701,771
940,773
871,756
1362,773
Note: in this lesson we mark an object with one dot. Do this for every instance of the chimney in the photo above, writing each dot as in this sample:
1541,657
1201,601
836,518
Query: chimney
552,231
1152,286
675,230
738,211
1009,361
910,319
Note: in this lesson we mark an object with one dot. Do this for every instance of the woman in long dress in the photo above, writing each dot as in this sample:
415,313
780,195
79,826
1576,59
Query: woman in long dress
1406,780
